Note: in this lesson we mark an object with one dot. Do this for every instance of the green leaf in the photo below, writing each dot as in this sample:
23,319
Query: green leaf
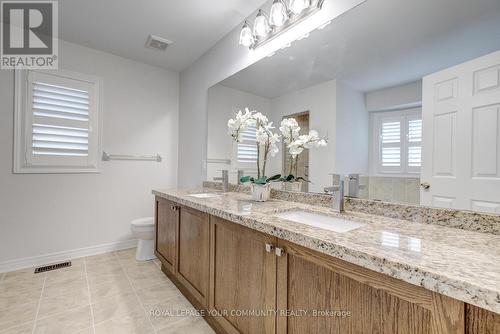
290,178
276,177
262,180
300,178
245,179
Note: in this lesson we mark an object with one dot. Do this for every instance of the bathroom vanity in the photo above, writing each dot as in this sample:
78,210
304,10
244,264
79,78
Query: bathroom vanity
405,113
231,256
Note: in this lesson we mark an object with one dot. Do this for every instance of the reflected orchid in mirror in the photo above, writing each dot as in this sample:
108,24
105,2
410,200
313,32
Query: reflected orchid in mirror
297,143
266,140
239,124
290,130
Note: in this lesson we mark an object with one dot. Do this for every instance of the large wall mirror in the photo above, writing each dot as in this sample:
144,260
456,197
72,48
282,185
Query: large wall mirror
406,92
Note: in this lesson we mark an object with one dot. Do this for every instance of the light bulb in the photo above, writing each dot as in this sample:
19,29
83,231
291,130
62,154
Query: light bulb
278,15
246,36
261,25
297,6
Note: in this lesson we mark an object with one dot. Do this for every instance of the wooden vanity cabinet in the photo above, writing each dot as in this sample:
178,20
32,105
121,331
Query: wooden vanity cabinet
480,321
193,252
229,269
243,277
167,217
310,281
182,245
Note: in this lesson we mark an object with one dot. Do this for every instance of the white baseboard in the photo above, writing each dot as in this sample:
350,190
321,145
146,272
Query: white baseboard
39,260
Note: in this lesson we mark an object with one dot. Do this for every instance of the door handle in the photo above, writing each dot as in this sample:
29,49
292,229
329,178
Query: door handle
269,248
425,185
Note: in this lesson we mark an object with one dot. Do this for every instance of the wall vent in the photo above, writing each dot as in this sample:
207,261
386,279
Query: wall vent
158,43
52,267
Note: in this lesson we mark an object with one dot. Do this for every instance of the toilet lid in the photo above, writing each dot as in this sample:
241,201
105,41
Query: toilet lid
148,221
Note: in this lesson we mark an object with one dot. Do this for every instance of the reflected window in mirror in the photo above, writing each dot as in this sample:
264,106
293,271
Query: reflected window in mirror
245,154
397,142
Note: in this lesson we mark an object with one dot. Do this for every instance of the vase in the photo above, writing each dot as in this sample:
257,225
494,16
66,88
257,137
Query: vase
292,186
261,192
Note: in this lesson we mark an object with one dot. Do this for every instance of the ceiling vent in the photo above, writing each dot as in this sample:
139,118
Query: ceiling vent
158,43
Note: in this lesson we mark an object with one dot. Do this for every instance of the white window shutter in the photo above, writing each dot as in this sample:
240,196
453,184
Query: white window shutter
57,112
246,149
51,103
399,142
414,143
390,138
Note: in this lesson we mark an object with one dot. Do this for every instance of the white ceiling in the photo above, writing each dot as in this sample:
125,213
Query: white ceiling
379,44
121,27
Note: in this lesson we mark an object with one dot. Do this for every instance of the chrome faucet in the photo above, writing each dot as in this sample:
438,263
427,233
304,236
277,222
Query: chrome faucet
337,193
224,179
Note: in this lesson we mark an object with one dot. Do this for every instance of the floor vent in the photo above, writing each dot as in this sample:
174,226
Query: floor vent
52,267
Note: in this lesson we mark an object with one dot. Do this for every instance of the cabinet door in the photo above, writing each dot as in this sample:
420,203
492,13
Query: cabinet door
166,233
193,252
481,321
242,278
327,289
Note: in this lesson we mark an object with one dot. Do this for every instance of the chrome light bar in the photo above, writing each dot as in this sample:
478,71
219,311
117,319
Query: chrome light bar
293,19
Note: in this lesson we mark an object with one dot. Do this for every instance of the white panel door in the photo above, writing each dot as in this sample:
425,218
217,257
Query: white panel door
461,136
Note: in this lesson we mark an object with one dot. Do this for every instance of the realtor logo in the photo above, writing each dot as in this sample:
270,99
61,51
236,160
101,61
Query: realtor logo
29,35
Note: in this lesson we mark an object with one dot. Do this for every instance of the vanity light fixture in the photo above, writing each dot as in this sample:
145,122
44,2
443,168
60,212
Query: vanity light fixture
246,35
261,25
298,6
279,13
282,18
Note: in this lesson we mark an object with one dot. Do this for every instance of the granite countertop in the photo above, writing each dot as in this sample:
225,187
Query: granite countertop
457,263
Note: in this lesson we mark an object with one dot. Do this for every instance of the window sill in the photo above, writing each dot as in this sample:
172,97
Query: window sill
55,170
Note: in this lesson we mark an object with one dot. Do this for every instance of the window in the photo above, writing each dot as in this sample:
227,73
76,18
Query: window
390,143
414,143
56,122
397,142
246,150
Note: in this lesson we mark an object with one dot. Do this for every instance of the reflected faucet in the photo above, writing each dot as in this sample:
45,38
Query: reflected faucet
224,179
337,192
354,185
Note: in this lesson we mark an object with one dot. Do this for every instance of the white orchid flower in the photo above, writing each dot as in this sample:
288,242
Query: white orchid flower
239,124
261,119
289,129
266,140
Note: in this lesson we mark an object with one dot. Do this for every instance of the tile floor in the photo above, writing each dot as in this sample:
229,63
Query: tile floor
108,293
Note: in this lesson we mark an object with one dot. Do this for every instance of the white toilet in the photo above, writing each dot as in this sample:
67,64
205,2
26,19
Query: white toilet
144,230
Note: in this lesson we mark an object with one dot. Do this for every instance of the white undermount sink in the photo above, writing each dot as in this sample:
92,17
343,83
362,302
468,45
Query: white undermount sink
205,195
334,224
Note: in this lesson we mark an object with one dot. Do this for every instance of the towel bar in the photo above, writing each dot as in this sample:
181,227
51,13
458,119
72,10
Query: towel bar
108,157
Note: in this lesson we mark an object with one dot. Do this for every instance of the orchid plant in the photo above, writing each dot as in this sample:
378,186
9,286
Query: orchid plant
266,141
297,143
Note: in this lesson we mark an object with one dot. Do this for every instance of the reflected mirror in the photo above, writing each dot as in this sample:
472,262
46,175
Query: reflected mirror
407,98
